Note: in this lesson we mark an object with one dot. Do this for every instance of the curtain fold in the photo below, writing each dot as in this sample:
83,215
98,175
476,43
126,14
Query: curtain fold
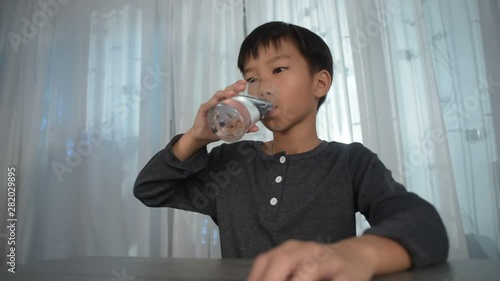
91,90
430,63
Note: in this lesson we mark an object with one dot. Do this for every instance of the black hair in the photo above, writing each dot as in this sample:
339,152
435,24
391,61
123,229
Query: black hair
315,51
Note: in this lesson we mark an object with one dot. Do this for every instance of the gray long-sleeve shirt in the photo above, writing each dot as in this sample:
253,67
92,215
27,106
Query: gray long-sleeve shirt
259,200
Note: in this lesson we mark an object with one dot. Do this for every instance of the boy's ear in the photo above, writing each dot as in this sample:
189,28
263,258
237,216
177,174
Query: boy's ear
323,81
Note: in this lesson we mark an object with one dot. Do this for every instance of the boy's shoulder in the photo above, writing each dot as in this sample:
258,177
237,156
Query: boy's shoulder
349,150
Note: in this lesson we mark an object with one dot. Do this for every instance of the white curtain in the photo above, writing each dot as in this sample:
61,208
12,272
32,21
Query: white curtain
420,68
90,90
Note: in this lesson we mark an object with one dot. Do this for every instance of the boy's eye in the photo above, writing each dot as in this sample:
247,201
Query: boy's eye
251,80
279,69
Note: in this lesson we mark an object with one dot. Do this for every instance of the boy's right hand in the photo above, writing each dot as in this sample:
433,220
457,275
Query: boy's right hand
201,131
201,134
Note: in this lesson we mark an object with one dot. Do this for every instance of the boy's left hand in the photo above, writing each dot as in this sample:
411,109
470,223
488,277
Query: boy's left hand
308,261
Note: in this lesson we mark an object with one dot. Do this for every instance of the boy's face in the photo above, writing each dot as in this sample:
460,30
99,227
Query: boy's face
298,91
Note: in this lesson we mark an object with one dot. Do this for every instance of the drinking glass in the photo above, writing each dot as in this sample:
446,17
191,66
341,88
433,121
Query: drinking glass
231,118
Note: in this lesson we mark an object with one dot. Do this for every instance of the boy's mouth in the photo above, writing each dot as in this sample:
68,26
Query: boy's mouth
273,111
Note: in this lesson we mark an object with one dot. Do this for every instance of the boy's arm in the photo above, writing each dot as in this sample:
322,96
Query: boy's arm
394,213
357,258
386,255
187,146
406,231
201,134
166,181
175,176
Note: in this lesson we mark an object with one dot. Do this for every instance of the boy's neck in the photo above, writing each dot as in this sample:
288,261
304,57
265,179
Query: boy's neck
295,141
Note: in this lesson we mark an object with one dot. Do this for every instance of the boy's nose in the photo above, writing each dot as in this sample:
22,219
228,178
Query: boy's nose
265,93
262,87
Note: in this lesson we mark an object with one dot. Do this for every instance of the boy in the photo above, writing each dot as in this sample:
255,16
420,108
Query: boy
273,200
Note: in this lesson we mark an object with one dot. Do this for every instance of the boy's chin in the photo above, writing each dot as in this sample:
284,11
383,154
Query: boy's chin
273,126
267,127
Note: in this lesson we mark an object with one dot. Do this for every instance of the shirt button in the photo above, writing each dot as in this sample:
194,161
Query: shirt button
278,179
282,159
274,201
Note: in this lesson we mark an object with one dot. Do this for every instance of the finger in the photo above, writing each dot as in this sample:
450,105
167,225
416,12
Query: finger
271,267
310,269
216,98
280,268
318,267
238,86
258,268
283,260
229,92
222,95
253,129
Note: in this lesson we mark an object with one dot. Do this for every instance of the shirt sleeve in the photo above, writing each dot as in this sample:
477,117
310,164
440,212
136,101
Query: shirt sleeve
395,213
165,181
